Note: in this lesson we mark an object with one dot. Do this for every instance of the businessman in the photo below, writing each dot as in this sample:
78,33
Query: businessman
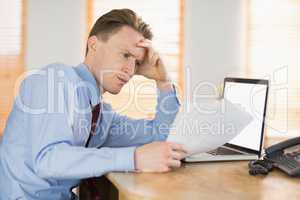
60,131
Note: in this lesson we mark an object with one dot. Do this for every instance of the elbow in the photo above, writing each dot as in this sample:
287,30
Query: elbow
42,172
42,165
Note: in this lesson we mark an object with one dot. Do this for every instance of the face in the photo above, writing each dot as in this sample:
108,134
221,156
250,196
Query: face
113,62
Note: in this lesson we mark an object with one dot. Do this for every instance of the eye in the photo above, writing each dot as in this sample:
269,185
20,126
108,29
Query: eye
126,55
137,63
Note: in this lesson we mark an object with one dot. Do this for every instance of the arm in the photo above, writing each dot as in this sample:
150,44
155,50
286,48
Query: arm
52,141
125,131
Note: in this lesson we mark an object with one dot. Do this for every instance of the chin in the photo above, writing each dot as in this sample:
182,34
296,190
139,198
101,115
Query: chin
114,90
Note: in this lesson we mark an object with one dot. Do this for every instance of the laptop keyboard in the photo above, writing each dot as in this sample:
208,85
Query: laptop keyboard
224,151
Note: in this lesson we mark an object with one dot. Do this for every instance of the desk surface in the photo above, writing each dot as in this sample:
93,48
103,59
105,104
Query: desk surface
214,180
229,180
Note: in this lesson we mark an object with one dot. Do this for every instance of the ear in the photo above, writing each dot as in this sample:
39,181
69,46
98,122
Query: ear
92,43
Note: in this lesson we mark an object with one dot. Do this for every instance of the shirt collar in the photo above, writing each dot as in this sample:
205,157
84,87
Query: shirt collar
85,74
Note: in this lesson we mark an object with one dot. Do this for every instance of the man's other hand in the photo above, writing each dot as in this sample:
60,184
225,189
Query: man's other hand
159,156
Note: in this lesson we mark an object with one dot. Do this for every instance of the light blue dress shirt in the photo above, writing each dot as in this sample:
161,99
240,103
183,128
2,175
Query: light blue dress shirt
42,153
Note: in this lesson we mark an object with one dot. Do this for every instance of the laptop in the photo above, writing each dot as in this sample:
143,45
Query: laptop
252,94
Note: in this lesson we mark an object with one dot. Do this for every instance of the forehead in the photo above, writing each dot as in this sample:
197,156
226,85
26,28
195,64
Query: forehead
127,38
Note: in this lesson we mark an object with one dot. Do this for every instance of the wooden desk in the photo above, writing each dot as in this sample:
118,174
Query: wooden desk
225,180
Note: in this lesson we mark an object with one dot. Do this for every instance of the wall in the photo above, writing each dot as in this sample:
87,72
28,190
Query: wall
214,40
56,32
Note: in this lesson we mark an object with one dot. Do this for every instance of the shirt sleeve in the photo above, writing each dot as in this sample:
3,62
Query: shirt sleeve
126,131
53,152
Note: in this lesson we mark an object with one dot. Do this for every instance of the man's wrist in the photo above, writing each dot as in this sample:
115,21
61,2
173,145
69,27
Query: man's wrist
165,85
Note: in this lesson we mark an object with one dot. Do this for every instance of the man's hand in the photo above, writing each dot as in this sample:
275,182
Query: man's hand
159,157
153,67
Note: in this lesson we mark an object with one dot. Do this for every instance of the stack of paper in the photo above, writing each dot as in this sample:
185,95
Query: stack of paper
208,124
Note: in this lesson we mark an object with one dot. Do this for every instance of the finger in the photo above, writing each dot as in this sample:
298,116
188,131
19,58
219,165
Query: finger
178,147
154,59
150,50
165,169
182,154
174,163
151,54
150,57
176,155
147,171
144,43
148,41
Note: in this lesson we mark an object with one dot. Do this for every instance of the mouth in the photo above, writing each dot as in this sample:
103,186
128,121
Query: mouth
123,79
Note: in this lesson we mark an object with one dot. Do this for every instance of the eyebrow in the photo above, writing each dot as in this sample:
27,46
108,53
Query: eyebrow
132,55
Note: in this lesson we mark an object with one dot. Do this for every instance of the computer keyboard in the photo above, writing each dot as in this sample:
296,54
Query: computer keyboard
224,151
288,162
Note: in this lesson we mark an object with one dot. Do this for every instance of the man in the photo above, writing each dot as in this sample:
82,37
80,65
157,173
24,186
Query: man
60,131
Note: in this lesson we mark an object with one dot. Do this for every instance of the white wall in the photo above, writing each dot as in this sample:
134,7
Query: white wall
214,40
56,32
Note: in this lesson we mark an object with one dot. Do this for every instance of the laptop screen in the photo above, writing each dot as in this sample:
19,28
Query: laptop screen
251,94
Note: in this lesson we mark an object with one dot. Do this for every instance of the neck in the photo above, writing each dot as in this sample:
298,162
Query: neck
90,67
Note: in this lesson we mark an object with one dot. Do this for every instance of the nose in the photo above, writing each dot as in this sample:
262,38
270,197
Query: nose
129,68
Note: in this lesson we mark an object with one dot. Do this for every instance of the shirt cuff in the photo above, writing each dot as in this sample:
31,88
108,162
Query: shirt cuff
124,159
166,94
161,137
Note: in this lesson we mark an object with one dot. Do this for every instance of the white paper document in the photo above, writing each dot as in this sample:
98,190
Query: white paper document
208,125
